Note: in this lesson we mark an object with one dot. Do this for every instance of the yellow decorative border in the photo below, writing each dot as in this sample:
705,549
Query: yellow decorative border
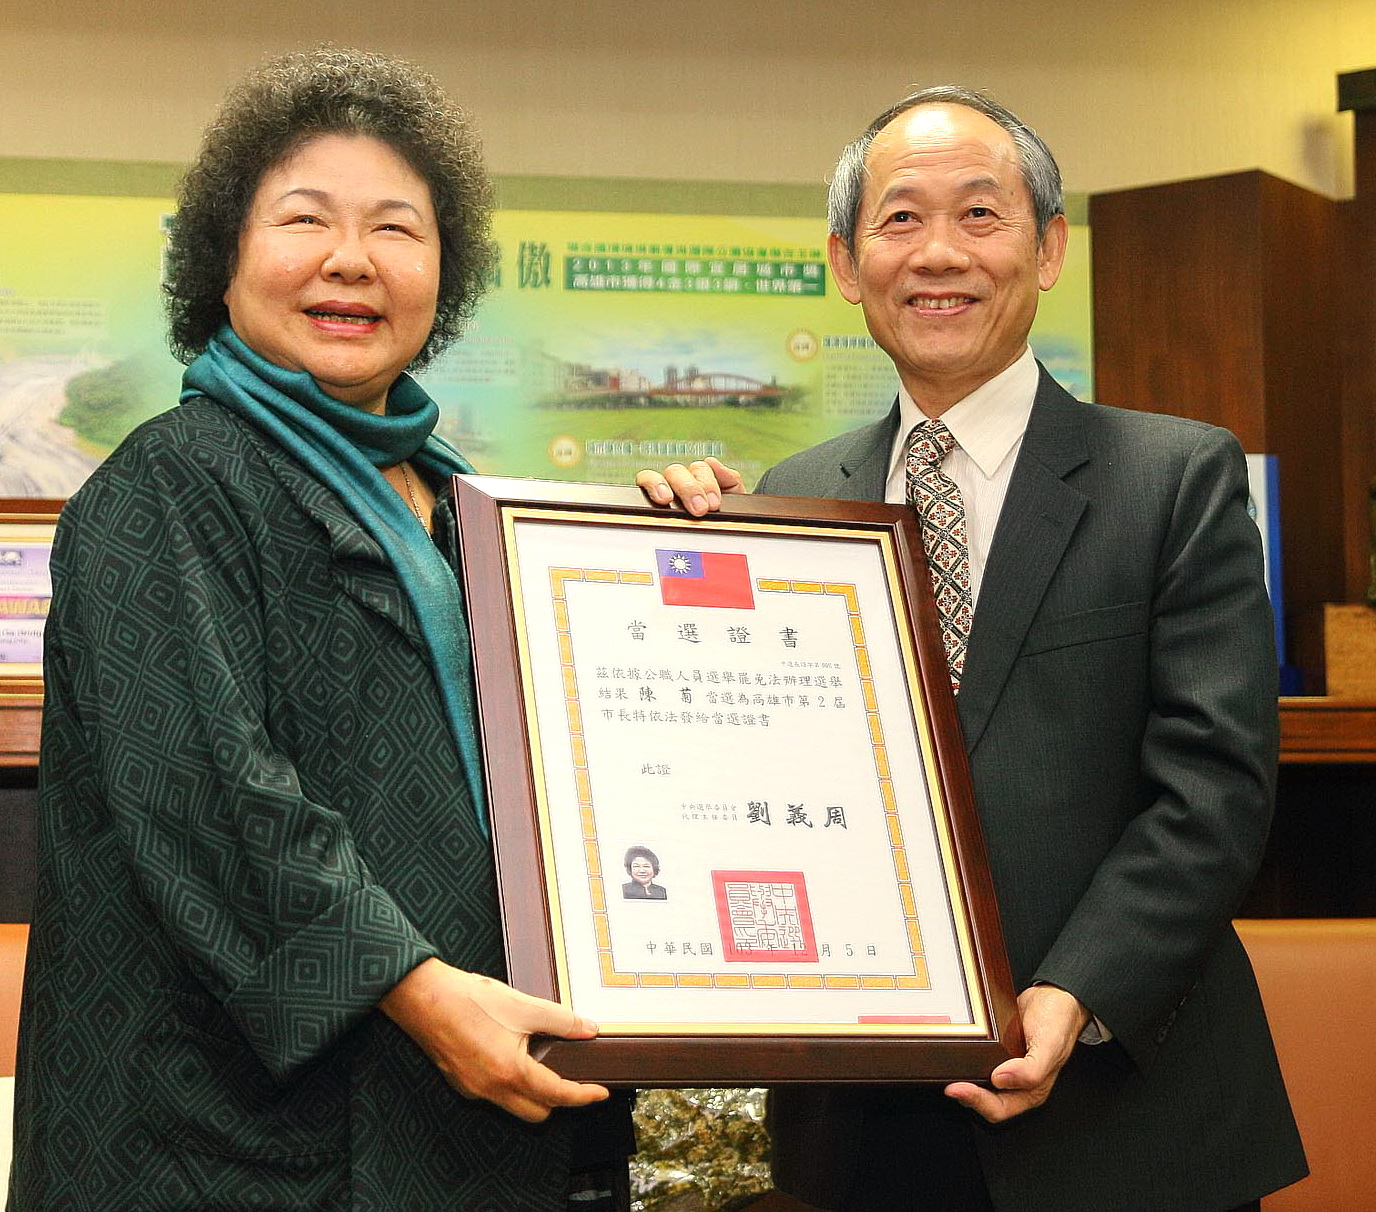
612,977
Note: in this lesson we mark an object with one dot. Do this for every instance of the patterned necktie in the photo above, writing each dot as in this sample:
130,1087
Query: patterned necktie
938,503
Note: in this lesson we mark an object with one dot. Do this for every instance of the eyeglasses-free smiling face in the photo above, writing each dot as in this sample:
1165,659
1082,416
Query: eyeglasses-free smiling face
947,263
338,267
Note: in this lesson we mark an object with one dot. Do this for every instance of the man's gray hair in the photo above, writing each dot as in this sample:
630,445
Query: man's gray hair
1039,170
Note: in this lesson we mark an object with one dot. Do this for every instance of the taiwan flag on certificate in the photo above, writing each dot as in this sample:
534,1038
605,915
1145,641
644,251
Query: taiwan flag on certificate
704,578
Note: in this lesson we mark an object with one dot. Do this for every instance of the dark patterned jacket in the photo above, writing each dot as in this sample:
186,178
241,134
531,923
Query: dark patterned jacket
253,823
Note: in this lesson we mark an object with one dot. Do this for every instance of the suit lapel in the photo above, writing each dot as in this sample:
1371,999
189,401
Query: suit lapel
864,461
1039,515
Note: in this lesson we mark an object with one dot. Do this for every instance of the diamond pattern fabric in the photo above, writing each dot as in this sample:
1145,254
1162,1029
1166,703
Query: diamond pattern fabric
939,506
253,822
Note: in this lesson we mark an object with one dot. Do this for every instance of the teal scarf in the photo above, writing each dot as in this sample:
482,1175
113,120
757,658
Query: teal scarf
343,447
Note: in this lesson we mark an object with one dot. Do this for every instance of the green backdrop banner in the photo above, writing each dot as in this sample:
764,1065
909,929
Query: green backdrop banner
612,338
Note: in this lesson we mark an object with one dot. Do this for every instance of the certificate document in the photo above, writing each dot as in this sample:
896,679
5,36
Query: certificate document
741,814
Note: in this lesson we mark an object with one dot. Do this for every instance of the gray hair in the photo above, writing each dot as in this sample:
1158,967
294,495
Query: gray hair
1039,171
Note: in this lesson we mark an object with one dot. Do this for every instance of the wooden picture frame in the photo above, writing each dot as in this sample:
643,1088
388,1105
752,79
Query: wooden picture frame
759,702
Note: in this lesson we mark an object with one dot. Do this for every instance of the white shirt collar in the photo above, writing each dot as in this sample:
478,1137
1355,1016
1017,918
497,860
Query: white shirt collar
988,423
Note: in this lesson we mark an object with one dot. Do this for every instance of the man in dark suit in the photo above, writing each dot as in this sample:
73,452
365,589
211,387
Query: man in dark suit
1116,688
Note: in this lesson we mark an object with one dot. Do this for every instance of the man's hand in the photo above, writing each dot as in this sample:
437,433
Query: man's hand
1052,1020
699,486
477,1031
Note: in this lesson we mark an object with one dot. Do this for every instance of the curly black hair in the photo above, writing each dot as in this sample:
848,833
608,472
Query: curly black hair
288,101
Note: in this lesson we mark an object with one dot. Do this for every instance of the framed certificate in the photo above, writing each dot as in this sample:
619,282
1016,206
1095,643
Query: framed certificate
731,807
26,542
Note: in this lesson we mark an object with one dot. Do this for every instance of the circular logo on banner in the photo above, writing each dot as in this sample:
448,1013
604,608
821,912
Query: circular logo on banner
565,452
802,345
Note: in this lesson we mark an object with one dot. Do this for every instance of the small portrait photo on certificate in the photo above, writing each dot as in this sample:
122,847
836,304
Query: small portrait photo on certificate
642,865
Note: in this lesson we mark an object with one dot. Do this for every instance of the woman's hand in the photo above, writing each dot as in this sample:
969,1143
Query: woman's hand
699,486
477,1031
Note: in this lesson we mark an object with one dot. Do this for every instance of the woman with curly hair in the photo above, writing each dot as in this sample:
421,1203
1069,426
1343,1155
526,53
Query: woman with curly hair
265,959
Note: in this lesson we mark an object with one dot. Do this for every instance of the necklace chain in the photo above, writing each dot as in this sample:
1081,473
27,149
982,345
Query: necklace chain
411,492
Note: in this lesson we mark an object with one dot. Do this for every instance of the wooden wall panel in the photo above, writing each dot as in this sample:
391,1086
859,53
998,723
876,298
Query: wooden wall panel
1358,281
1177,301
1216,299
